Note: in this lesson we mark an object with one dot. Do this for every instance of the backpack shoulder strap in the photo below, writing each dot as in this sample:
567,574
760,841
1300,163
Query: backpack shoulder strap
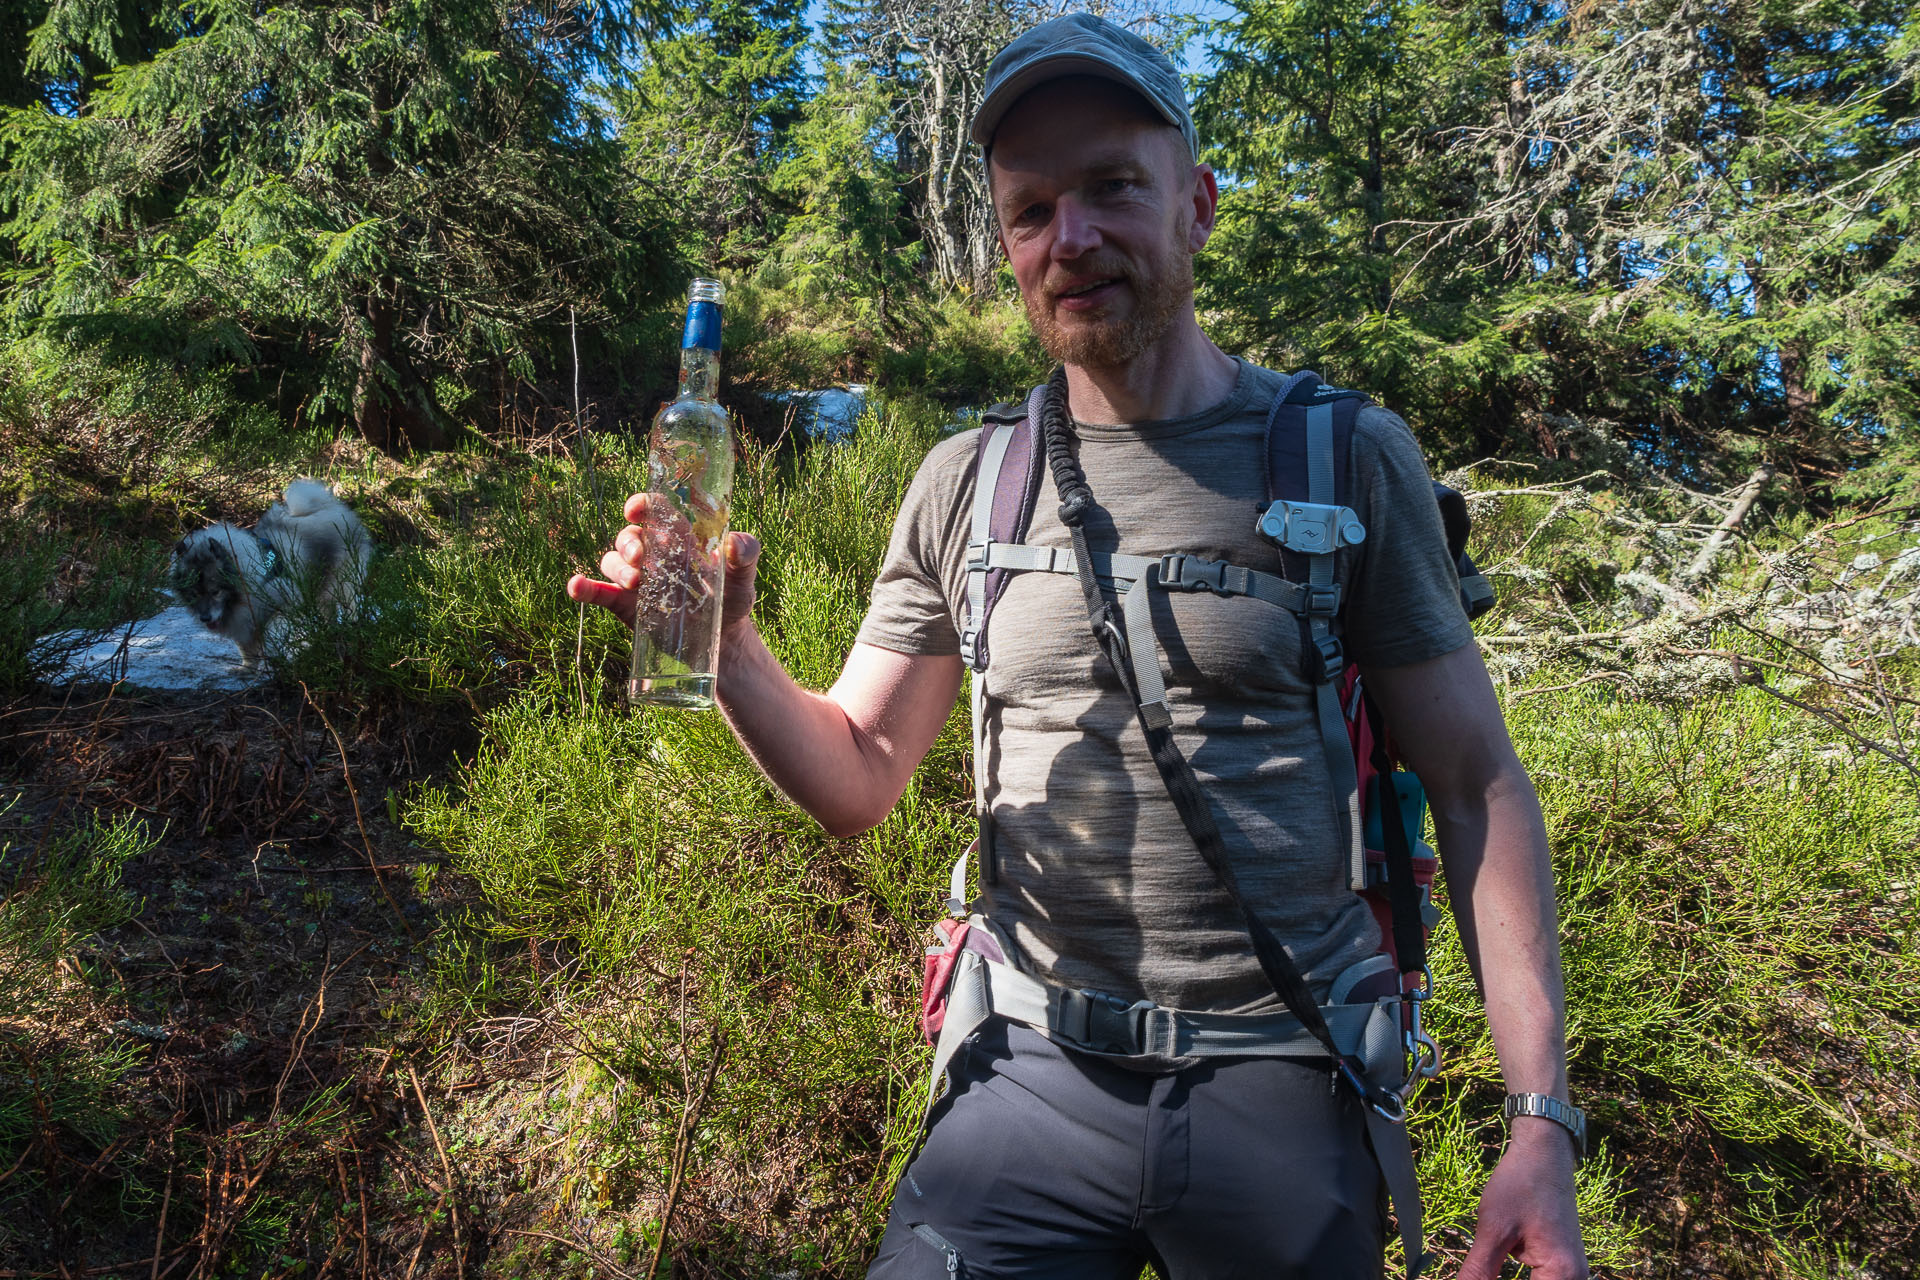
1309,437
1006,486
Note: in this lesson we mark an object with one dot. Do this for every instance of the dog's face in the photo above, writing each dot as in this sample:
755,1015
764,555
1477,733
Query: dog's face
207,576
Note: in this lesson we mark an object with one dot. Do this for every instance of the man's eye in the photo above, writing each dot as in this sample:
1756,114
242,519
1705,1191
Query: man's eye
1032,213
1115,186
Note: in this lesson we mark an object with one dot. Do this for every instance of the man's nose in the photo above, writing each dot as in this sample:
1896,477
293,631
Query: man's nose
1075,233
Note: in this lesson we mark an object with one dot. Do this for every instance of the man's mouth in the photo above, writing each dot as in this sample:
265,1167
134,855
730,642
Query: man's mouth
1080,296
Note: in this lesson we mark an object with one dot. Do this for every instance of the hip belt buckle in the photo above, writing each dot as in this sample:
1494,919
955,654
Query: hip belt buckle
1103,1023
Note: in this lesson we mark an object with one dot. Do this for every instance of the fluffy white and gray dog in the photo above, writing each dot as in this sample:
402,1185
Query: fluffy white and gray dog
306,557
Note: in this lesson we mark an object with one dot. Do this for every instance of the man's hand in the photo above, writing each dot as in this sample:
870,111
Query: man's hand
656,535
845,755
1527,1208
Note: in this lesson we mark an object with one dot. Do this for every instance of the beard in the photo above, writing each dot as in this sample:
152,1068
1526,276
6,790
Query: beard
1102,341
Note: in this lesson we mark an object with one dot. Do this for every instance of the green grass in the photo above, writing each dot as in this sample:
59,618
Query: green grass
1737,971
63,1099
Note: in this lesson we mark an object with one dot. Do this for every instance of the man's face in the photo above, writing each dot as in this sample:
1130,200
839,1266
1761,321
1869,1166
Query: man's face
1101,210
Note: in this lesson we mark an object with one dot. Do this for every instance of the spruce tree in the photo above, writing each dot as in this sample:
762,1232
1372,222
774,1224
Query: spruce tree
705,118
844,248
1677,224
388,199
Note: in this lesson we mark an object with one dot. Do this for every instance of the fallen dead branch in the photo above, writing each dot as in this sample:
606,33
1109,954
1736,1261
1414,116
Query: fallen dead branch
366,841
682,1145
1823,615
1743,503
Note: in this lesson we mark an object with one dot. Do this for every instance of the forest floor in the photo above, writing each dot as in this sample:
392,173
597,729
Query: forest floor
426,959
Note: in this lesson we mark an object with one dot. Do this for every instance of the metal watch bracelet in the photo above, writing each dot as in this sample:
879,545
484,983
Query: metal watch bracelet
1548,1107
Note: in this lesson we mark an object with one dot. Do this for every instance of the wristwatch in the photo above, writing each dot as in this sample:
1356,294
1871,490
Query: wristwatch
1548,1107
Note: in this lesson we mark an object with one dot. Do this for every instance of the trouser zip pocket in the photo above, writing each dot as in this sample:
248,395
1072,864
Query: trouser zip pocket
941,1243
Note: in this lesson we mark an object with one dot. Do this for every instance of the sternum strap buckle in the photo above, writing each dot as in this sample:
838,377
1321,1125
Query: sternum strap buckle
1182,571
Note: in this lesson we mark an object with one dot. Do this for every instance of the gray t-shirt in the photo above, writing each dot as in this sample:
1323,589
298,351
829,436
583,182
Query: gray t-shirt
1098,883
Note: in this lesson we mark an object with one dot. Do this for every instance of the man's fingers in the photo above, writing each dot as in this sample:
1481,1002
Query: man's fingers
1572,1267
619,568
656,510
743,551
587,591
1486,1257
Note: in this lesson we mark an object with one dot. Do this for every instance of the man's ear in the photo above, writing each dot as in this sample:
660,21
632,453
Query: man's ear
1206,207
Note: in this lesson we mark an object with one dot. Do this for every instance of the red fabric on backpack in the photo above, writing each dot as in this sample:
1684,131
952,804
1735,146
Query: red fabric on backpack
937,974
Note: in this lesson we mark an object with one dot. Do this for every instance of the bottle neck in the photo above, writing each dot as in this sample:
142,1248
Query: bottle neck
699,373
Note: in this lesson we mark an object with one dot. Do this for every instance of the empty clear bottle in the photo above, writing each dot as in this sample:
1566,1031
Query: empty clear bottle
676,636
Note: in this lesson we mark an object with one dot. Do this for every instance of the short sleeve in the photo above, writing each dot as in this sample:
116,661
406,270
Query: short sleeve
911,609
1403,602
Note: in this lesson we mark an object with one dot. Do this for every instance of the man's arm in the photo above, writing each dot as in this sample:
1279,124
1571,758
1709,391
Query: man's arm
844,755
1447,723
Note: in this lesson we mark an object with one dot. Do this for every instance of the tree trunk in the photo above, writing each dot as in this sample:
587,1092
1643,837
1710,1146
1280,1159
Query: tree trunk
947,257
390,408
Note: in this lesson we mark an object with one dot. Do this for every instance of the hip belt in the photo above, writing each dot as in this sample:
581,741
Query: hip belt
983,983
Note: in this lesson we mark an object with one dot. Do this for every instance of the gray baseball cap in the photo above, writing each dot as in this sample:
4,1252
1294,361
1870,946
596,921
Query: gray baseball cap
1082,45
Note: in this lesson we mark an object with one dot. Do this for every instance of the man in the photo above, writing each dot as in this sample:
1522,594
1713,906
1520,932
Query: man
1044,1159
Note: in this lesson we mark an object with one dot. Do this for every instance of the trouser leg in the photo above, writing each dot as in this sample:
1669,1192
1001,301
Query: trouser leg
1281,1183
1032,1169
1042,1162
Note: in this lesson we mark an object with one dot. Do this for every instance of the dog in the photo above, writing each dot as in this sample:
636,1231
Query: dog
307,557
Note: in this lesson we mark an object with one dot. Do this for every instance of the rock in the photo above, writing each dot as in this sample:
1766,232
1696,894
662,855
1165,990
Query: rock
171,650
143,1031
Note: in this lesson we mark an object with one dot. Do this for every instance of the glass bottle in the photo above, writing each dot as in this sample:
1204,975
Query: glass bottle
676,637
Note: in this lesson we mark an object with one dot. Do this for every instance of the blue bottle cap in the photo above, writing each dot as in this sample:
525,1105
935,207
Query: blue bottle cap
703,326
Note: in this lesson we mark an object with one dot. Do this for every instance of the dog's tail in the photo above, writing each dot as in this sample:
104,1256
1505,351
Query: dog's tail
304,497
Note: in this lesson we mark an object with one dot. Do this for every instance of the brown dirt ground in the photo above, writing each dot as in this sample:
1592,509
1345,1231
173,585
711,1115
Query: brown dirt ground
275,1121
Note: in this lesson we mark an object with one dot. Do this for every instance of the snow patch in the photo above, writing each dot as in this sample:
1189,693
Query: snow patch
171,650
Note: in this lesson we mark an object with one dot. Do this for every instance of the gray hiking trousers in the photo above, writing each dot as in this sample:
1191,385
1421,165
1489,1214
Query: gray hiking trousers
1045,1162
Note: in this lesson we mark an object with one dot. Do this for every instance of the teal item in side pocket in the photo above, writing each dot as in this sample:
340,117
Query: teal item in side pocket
1413,810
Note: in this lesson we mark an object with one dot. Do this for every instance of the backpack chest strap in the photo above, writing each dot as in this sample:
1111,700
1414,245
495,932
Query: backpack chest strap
1180,571
1315,603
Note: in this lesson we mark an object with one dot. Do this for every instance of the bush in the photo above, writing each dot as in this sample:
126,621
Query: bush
972,358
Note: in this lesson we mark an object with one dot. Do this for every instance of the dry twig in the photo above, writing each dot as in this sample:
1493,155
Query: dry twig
353,794
681,1146
453,1199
